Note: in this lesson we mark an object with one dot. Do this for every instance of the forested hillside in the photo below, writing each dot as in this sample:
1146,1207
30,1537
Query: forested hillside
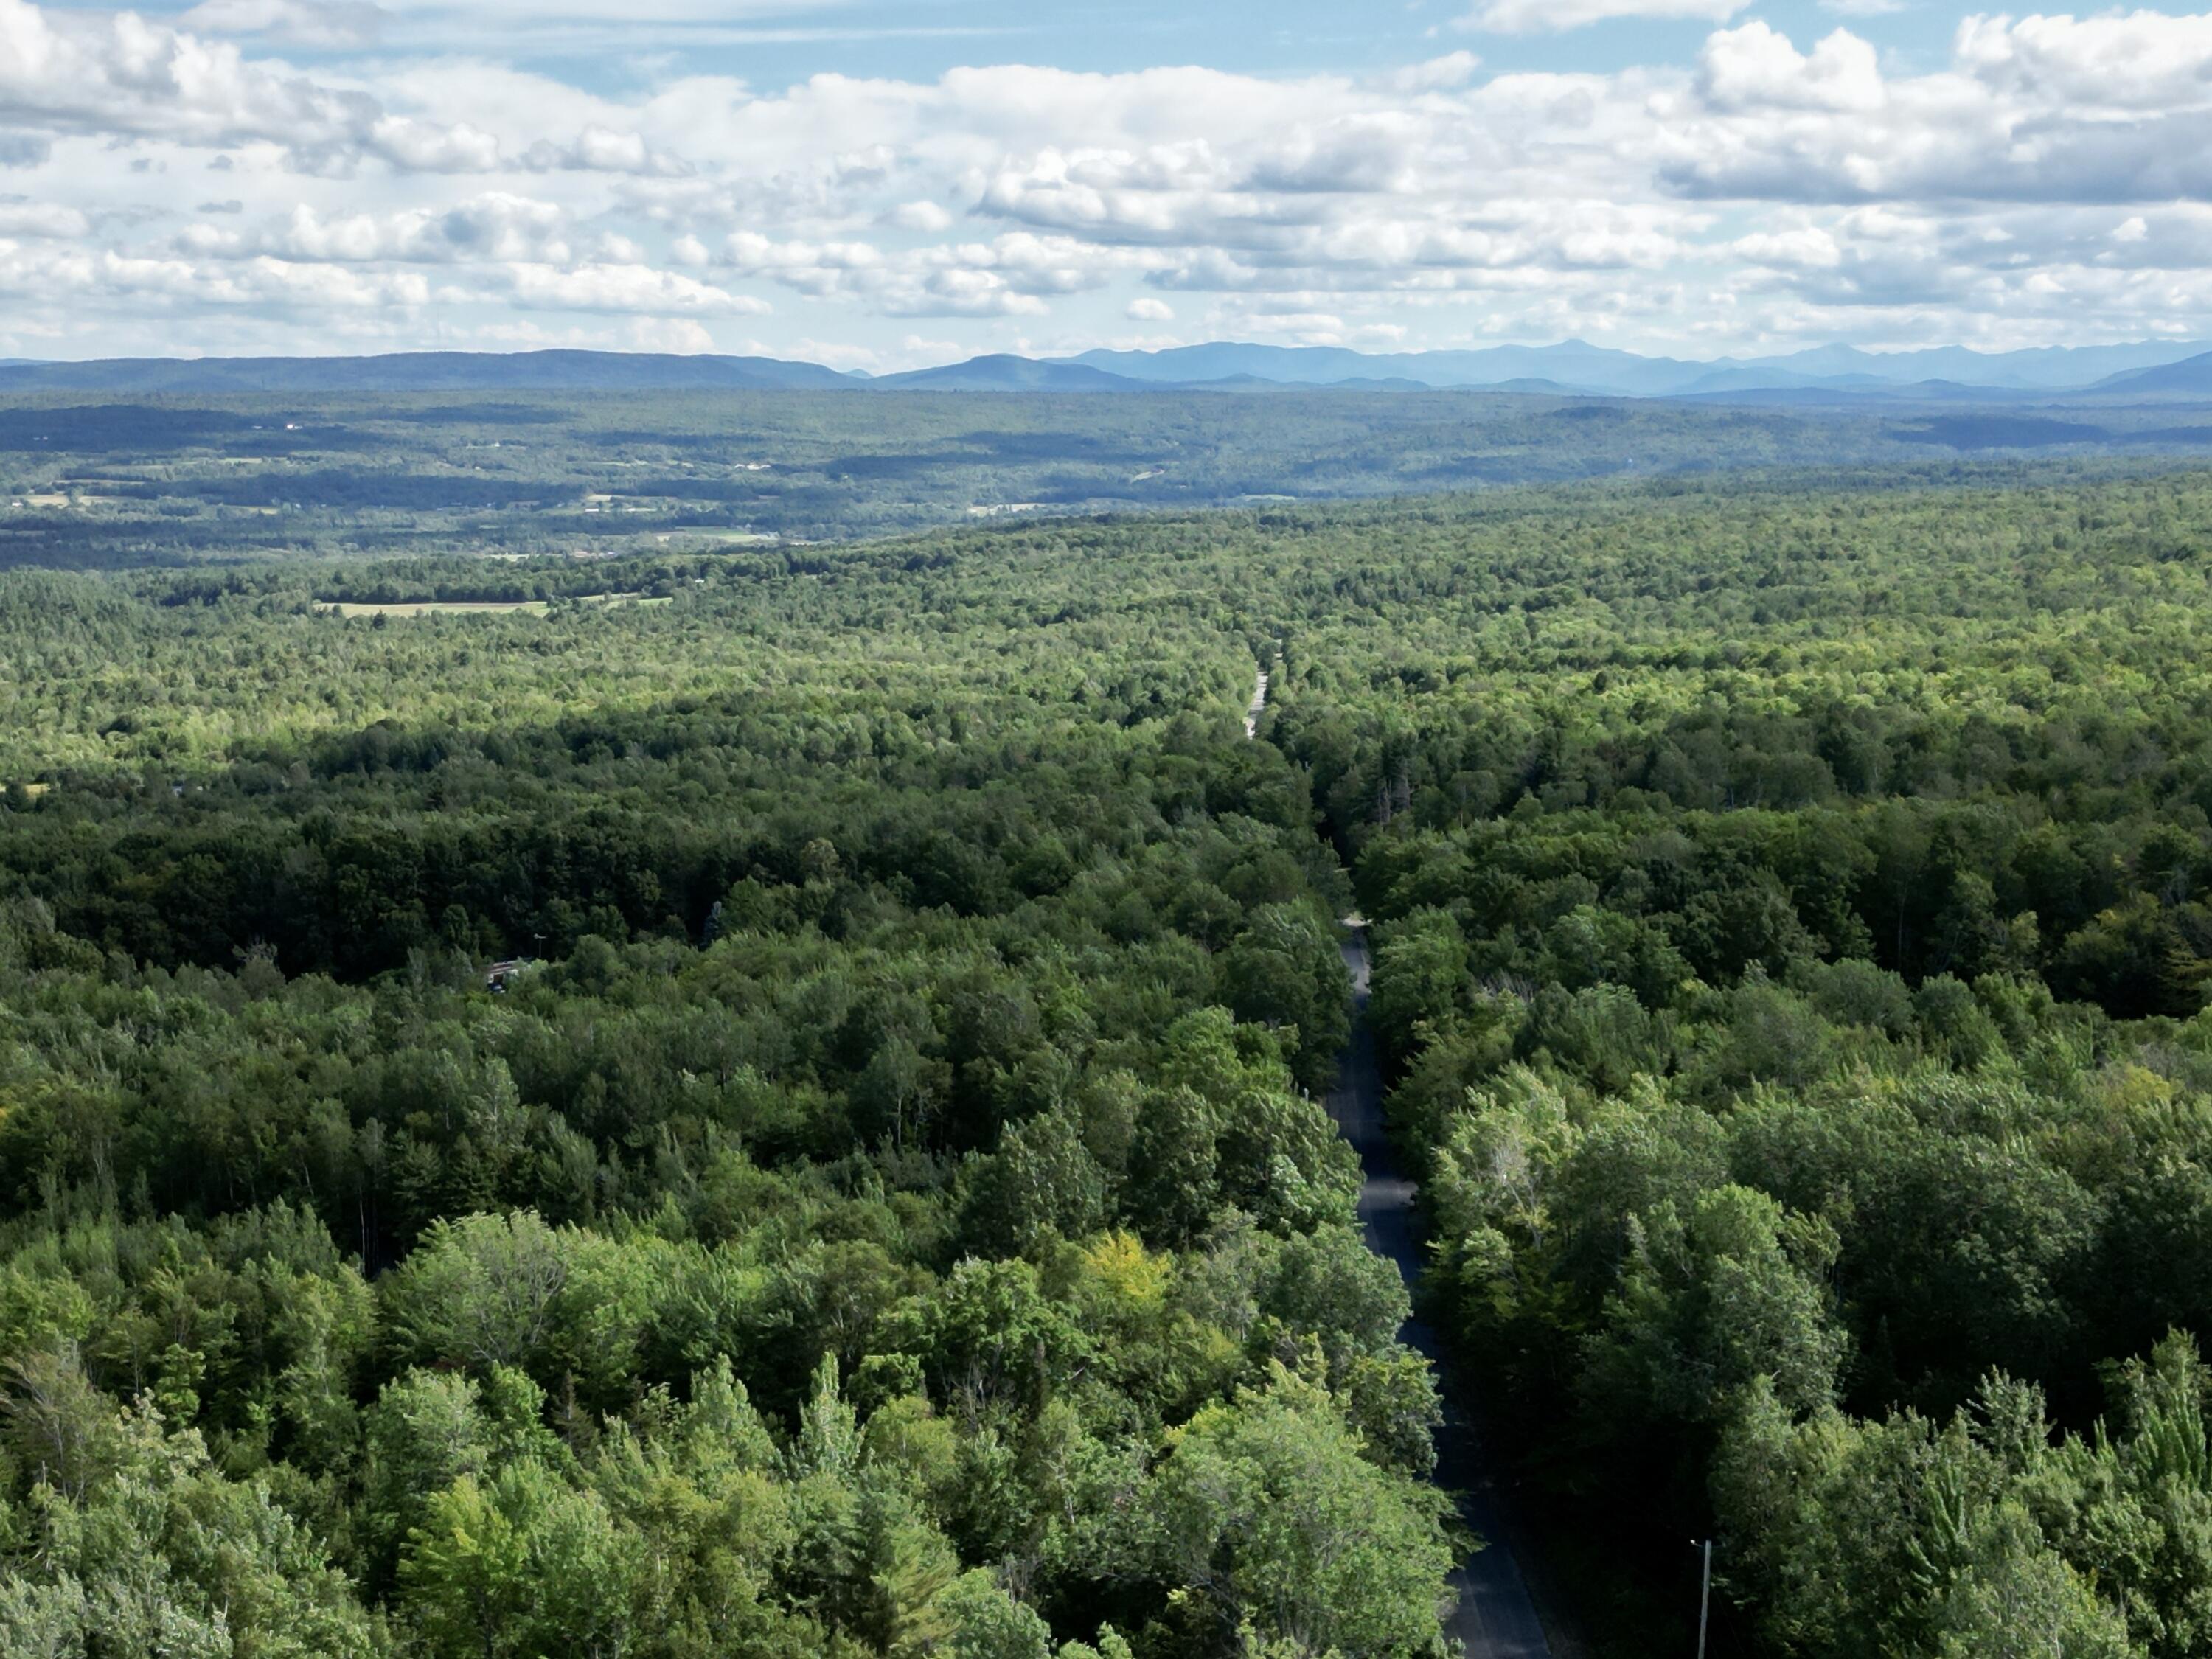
888,1211
123,481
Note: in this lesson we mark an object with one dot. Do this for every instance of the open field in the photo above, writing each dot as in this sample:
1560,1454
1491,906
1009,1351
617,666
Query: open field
475,607
440,608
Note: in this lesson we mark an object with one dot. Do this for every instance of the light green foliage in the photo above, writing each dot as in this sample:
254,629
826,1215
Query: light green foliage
988,1624
897,1215
164,1556
1265,1510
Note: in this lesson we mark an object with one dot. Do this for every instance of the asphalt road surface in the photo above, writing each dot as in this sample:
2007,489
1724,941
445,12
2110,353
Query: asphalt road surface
1496,1618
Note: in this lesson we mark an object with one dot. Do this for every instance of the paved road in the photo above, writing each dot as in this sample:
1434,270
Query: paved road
1496,1618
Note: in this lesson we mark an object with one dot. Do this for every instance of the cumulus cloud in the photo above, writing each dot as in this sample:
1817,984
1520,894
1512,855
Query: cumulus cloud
813,268
35,270
626,289
22,218
2023,116
490,226
427,146
1755,68
1009,275
118,75
604,150
2143,60
2053,174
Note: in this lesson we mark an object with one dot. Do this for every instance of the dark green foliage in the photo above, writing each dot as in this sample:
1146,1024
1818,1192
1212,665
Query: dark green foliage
891,1187
888,1210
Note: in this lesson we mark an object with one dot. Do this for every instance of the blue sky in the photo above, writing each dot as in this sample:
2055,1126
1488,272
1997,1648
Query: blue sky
884,185
771,46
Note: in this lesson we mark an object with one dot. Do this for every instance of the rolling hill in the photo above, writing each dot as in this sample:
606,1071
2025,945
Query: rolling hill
1827,375
423,371
2192,376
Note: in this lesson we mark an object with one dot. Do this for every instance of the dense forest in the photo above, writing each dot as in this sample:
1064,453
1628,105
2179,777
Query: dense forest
880,1203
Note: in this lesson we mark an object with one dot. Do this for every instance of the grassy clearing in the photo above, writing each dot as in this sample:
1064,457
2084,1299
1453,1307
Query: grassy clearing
442,608
474,607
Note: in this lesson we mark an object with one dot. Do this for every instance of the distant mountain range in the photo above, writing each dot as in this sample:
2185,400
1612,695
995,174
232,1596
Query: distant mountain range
1004,373
2191,377
1829,375
424,371
1575,366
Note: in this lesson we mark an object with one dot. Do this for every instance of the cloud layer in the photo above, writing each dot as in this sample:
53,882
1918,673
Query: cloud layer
188,187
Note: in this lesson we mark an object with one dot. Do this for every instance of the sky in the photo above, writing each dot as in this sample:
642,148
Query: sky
887,185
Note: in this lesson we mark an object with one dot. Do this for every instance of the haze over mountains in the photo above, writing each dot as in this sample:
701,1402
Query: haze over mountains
420,371
1575,366
2160,369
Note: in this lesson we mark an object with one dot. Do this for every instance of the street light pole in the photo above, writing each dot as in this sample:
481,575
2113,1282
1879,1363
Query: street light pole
1705,1597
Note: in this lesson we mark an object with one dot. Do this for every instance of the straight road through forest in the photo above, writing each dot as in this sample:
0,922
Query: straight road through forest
1496,1619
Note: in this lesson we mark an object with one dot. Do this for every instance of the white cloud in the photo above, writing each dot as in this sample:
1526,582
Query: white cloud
2052,179
2142,60
678,334
1454,69
491,227
637,289
118,75
2010,123
924,217
812,268
604,150
1755,68
262,284
1807,248
44,219
961,291
424,147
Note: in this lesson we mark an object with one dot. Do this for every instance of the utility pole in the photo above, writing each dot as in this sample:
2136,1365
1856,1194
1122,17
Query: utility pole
1705,1595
